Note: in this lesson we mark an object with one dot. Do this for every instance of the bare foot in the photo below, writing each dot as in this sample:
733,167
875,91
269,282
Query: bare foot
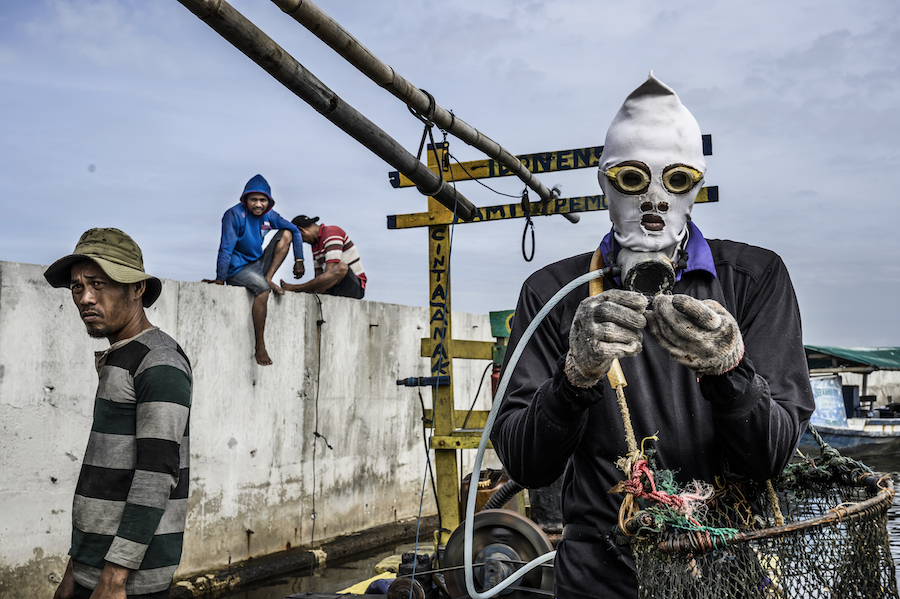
289,286
262,357
276,288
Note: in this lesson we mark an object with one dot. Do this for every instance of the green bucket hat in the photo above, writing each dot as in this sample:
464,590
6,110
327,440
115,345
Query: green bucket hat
113,251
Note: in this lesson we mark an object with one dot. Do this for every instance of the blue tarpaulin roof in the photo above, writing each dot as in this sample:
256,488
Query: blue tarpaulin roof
880,358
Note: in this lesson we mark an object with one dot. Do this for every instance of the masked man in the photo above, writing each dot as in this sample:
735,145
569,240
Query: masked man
720,376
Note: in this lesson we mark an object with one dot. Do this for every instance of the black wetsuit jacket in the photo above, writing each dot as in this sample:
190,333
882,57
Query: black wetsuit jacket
752,416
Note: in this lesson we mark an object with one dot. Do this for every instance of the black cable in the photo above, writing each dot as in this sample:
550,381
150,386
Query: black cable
528,225
427,132
499,193
507,560
316,435
474,399
526,208
452,122
428,121
428,456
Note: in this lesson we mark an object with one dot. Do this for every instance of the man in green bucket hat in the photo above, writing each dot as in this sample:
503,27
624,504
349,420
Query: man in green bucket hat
131,499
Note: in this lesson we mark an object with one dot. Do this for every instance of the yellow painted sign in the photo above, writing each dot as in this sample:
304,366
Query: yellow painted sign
439,307
541,162
442,216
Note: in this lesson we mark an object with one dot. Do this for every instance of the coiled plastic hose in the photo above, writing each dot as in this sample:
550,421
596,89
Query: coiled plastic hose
485,436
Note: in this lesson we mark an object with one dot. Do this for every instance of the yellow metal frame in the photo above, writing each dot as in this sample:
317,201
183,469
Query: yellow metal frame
442,349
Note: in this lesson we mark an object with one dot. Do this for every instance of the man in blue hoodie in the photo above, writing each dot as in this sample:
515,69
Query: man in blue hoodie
242,260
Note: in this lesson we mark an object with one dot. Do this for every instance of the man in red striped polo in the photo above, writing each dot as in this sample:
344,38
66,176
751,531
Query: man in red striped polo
338,269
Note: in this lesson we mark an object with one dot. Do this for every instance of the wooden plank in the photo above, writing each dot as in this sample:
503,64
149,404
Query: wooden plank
439,295
454,442
459,348
516,210
447,483
446,463
540,162
476,421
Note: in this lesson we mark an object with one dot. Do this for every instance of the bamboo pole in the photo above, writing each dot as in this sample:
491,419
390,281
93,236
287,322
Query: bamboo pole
261,49
341,41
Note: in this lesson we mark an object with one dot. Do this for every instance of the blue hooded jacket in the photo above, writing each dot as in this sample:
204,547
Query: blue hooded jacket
243,233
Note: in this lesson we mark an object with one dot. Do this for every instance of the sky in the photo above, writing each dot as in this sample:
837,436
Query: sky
137,115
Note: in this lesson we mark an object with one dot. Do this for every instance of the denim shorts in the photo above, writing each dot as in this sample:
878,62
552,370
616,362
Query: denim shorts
253,275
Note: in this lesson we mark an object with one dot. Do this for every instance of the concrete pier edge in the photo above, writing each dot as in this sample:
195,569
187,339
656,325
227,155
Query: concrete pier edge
241,575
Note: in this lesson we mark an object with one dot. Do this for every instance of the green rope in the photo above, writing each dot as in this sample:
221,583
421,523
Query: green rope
829,467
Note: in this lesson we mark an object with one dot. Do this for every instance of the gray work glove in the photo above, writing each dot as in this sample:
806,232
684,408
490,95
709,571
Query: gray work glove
702,335
605,327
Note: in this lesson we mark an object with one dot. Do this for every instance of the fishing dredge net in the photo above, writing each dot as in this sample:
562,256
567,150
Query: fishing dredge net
819,530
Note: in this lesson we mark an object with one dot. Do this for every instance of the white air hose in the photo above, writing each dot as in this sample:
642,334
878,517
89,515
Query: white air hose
485,436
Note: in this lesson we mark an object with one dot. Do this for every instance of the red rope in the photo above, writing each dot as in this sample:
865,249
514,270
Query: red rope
640,471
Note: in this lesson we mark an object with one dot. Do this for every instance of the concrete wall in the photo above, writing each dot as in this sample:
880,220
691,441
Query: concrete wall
258,472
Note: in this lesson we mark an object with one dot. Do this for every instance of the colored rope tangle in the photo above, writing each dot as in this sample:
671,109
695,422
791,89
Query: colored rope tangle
665,506
636,486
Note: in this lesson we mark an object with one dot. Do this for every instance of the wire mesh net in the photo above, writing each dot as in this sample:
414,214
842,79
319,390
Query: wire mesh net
819,531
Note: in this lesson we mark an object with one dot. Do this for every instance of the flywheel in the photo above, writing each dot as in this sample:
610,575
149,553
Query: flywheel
503,541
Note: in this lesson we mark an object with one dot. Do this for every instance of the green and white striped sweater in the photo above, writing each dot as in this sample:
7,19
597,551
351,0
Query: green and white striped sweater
132,495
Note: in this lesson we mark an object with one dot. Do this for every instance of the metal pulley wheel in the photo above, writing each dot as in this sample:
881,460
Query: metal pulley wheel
405,588
503,541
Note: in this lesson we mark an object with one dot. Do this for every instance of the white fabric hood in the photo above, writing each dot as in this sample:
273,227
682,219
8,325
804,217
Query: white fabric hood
652,168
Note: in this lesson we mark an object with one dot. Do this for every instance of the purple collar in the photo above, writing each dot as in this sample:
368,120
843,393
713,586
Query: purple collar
699,255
